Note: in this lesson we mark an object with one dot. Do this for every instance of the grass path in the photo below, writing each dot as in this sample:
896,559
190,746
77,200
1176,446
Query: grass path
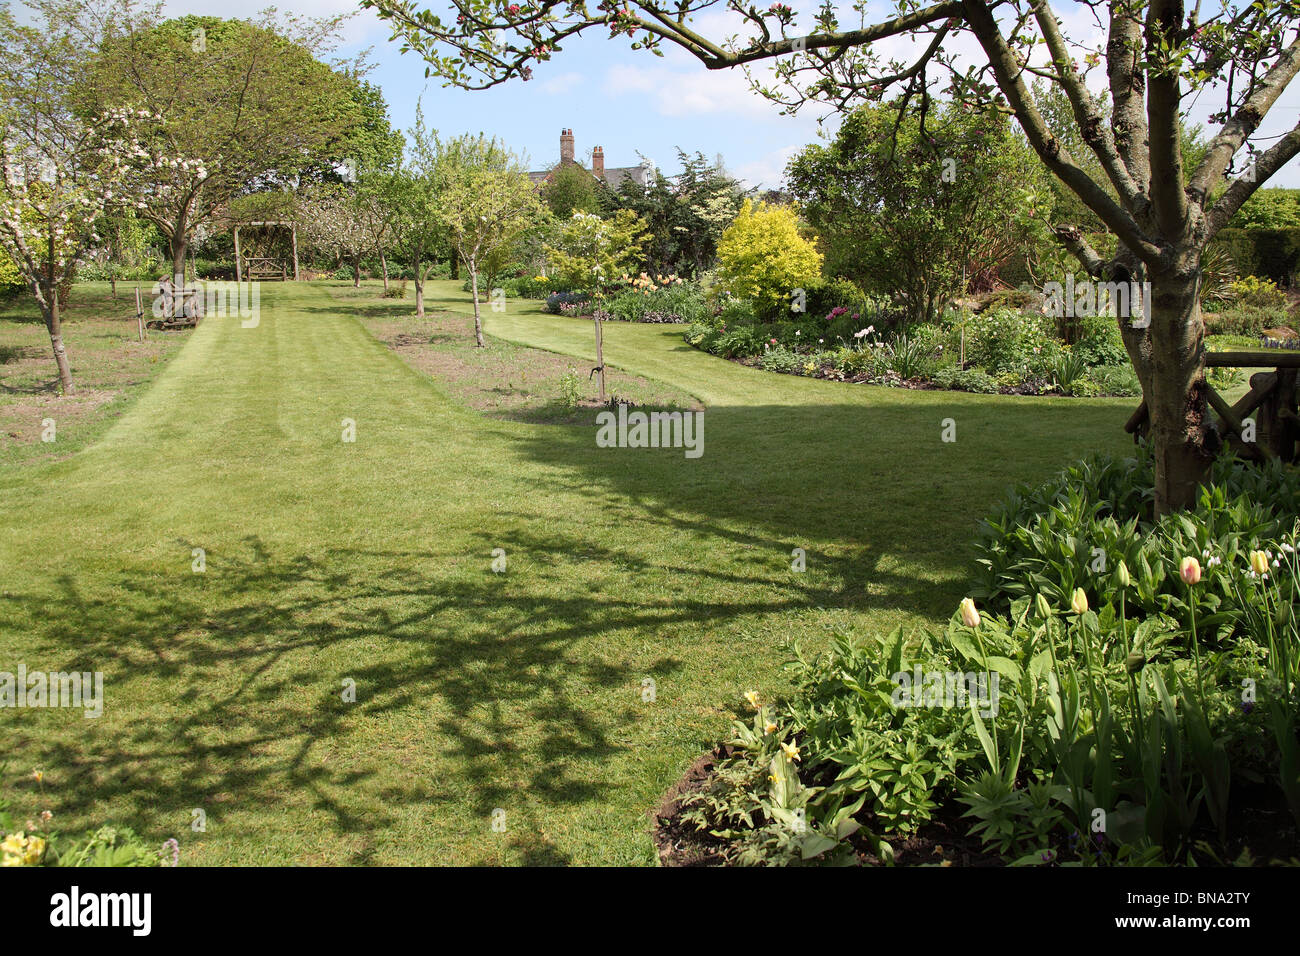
370,562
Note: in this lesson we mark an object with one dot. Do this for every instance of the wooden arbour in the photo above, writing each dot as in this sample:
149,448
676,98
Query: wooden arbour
256,268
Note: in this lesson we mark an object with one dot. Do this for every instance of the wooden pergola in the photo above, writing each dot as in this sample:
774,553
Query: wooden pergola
266,267
1277,426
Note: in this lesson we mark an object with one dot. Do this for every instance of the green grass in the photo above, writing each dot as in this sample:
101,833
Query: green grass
372,562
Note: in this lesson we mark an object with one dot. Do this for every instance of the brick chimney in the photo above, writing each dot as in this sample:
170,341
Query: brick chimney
566,146
598,162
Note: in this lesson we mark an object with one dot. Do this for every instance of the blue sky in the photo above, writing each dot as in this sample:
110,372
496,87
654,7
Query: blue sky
627,101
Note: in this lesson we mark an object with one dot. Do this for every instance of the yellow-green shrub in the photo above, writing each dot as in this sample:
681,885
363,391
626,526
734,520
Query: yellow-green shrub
762,256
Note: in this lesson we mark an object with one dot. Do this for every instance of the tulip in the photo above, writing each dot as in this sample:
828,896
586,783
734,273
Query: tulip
1042,607
1259,562
1121,572
1079,601
1189,569
969,615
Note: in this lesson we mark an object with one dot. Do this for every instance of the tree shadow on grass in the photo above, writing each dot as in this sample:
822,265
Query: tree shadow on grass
876,478
223,688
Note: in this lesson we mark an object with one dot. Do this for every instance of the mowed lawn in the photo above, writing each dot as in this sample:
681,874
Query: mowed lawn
371,562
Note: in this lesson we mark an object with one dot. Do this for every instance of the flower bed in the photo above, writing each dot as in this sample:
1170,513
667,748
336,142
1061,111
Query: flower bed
1118,706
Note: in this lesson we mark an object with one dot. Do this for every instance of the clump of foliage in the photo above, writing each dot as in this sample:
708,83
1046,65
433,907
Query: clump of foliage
763,257
1111,727
36,842
590,254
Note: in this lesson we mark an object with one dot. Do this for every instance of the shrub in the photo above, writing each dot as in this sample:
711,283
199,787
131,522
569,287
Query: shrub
736,312
1100,342
1118,380
1242,319
968,380
570,389
827,295
396,290
740,342
762,257
678,302
1257,293
779,359
1003,340
11,280
555,300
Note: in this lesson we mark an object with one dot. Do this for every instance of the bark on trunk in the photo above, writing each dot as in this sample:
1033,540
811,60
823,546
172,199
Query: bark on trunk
179,248
356,273
383,263
1183,438
54,326
419,285
478,318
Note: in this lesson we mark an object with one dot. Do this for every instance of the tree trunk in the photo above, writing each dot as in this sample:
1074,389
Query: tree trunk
1183,438
455,266
54,326
179,248
356,272
383,262
478,318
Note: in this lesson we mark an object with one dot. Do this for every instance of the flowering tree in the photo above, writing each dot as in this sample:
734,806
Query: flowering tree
61,171
242,105
590,253
486,202
340,218
1130,73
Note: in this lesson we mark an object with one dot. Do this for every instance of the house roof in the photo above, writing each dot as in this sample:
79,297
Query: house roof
614,175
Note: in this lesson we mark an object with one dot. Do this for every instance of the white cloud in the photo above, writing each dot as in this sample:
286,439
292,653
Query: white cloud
562,83
768,171
696,91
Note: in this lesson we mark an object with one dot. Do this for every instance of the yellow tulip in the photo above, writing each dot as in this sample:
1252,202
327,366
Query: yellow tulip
1079,601
970,616
1259,562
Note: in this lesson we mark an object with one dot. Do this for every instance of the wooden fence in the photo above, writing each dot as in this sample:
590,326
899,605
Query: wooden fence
1272,394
